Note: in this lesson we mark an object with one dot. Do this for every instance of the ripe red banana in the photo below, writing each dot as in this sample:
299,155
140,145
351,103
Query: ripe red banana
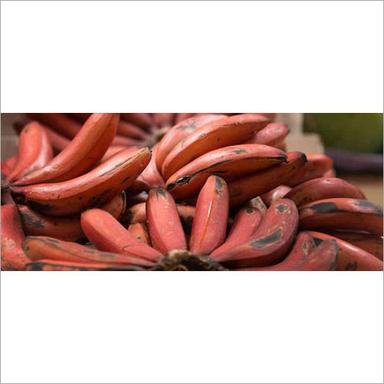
41,248
220,133
179,132
113,149
107,234
343,214
229,162
63,228
35,151
272,134
316,166
12,236
248,187
305,256
323,188
130,130
163,222
140,232
244,225
151,176
90,190
124,141
210,222
182,116
59,122
350,257
371,243
269,243
85,150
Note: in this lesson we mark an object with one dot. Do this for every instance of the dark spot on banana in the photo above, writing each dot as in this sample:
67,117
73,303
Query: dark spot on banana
267,240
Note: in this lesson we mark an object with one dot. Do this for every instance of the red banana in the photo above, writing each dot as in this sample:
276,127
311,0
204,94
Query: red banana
275,194
85,150
323,188
139,231
59,122
272,134
163,222
151,176
248,187
269,243
210,222
344,214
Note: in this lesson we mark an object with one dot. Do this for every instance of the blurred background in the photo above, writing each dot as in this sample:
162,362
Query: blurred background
353,140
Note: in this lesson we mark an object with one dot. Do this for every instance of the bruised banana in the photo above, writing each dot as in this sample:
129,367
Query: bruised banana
244,225
179,132
210,222
89,190
228,162
164,225
39,248
35,151
63,228
350,257
275,194
85,150
323,188
220,133
343,214
305,256
256,184
107,234
12,236
316,166
269,243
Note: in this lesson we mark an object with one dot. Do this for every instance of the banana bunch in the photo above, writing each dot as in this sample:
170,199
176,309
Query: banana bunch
216,192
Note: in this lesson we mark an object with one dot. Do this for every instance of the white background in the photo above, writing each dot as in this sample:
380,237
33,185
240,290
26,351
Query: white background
192,56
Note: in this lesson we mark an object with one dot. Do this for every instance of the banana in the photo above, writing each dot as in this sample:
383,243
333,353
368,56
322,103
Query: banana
248,187
130,130
107,234
272,134
139,231
12,236
41,248
316,166
269,243
164,119
85,150
142,120
179,132
52,265
305,256
35,151
58,142
370,243
350,257
7,166
89,190
59,122
210,222
220,133
163,222
344,214
151,176
323,188
244,225
182,116
275,194
63,228
113,149
229,162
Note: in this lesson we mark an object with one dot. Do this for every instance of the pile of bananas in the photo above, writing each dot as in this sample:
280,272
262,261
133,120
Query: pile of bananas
214,192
